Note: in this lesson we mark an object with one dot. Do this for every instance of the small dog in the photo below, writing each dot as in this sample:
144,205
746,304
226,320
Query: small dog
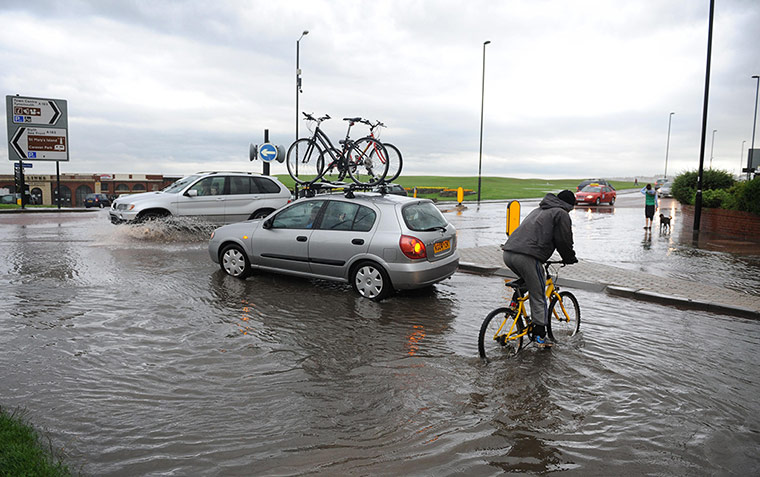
664,223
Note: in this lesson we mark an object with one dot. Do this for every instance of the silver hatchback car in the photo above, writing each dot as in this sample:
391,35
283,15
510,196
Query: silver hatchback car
377,243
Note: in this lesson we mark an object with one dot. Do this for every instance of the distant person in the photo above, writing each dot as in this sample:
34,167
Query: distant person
636,181
650,205
544,230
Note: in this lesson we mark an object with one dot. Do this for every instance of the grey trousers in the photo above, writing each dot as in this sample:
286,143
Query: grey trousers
532,271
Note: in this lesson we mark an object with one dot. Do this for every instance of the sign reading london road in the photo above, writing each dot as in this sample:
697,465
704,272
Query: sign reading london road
37,129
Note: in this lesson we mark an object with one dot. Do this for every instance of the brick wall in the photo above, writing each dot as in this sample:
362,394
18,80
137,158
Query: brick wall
731,223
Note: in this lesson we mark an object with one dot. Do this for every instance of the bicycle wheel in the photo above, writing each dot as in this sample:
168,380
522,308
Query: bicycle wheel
564,316
394,162
331,163
364,161
303,161
498,332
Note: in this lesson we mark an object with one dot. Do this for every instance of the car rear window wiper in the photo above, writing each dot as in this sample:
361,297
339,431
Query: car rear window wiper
437,227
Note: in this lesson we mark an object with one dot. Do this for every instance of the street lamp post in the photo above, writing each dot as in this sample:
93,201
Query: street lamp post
667,146
482,103
754,123
741,158
298,74
712,145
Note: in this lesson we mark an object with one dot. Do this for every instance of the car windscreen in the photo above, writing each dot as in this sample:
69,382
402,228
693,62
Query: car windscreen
592,189
423,216
180,184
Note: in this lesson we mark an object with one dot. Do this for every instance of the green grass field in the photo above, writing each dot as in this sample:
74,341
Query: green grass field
22,451
492,188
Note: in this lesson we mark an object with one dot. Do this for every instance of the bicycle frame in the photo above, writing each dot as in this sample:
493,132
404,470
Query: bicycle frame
518,303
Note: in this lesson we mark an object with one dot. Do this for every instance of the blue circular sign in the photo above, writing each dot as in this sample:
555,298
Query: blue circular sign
268,152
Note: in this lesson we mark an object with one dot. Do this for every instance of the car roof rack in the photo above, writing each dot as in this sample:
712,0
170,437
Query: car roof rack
228,172
310,190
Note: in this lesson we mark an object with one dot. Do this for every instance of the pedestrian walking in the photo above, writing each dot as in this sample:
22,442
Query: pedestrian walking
650,205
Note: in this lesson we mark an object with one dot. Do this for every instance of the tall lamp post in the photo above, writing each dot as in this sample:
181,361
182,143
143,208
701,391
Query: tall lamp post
741,158
667,146
298,75
754,123
482,103
712,145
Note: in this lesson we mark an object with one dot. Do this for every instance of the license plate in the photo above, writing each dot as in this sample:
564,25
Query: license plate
441,246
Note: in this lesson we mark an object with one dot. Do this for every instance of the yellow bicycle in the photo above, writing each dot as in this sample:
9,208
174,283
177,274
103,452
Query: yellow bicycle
504,328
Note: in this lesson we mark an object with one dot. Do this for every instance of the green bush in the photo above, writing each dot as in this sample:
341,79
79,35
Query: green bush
685,184
718,199
748,196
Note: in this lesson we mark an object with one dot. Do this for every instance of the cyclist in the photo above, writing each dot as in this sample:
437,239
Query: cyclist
544,230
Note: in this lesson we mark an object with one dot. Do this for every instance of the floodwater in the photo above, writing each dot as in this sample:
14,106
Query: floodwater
137,356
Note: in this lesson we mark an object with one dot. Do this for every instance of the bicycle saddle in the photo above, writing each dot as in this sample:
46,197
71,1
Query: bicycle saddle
353,120
518,284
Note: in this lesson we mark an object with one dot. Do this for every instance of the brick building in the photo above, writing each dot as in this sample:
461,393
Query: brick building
74,187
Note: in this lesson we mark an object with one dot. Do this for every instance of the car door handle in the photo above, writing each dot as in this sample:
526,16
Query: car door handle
301,238
358,241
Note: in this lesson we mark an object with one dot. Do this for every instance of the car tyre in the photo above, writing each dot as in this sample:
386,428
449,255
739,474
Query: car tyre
597,201
371,281
260,214
234,262
612,201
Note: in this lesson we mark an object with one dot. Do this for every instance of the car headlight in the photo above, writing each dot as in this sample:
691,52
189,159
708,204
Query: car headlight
589,196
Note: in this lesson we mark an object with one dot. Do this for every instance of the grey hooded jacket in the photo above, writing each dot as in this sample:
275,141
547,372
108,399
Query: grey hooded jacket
545,229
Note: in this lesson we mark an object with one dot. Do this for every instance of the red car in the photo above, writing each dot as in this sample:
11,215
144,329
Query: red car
596,194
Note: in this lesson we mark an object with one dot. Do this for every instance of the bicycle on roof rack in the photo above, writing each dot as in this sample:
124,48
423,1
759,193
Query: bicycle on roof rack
311,159
393,157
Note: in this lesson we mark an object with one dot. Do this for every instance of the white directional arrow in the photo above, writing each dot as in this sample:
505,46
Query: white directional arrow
268,152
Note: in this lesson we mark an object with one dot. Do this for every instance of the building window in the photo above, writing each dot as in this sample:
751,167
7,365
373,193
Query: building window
103,187
122,188
139,187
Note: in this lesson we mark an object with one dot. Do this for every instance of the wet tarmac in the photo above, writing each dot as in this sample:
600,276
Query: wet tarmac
138,356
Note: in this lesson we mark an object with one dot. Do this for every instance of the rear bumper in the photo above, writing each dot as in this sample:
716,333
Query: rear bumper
407,276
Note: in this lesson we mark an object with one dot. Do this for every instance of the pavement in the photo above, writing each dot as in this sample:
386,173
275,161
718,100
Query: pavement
686,294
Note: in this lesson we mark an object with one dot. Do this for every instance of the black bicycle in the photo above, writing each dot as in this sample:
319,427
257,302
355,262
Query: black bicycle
312,159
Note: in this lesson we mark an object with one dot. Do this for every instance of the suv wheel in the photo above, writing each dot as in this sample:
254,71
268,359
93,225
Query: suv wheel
260,214
234,262
371,281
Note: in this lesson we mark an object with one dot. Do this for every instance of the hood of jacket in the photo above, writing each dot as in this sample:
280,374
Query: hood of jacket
551,201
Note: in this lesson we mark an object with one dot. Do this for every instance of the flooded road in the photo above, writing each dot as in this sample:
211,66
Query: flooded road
139,357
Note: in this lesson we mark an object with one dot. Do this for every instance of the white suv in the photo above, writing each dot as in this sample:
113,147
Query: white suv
216,197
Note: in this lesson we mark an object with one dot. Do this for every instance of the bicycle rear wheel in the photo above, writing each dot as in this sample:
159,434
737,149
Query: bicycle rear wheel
367,161
333,170
395,162
564,316
303,161
498,334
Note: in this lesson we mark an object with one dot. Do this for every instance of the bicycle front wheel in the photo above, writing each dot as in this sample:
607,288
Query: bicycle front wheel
303,161
394,162
367,161
564,316
501,334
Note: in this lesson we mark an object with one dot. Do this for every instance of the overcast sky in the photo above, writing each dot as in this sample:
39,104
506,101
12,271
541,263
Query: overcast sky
573,89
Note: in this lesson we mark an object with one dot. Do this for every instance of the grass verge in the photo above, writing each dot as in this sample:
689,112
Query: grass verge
491,188
22,451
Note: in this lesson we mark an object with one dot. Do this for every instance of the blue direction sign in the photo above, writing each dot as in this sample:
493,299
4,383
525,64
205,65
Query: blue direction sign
26,165
268,152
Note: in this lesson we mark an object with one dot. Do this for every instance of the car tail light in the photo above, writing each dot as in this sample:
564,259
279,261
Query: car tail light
412,247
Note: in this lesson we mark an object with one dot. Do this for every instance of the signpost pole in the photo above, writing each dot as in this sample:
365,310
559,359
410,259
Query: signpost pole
58,184
266,141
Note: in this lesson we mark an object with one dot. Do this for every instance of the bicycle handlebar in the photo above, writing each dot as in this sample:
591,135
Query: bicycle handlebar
310,117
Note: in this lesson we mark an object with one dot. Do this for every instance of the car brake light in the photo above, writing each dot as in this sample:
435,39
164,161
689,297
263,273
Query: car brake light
412,247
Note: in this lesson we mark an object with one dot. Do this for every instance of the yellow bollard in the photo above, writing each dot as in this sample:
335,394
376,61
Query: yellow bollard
415,192
513,216
460,195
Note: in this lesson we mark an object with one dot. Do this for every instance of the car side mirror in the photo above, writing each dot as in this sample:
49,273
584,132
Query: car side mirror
192,193
267,224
